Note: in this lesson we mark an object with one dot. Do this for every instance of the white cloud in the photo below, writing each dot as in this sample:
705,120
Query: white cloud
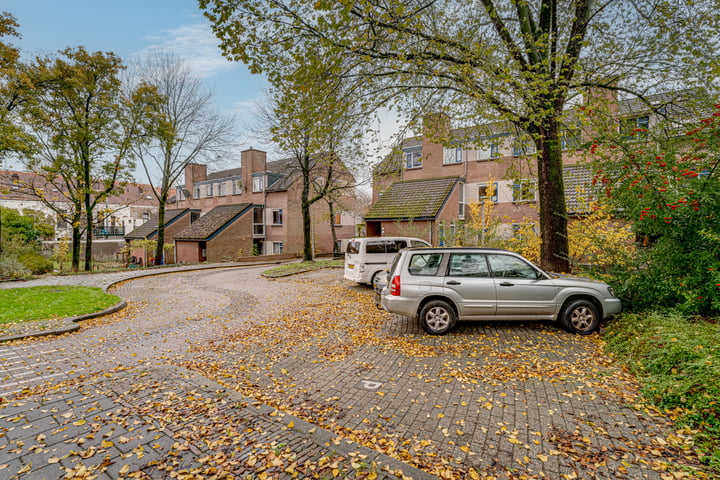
196,45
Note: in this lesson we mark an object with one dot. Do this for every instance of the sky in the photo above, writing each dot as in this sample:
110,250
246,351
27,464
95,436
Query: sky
132,29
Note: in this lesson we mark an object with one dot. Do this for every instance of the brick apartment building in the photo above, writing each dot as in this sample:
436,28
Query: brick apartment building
425,190
263,213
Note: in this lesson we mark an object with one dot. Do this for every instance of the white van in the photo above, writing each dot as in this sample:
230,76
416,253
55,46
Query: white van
365,257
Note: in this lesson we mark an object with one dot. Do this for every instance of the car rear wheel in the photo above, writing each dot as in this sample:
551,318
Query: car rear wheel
437,317
581,317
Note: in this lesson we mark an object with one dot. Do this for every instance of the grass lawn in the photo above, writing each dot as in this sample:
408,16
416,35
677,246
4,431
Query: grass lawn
301,267
38,303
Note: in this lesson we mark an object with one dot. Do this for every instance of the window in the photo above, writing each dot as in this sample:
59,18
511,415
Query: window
570,137
146,216
277,248
486,152
461,200
505,266
209,189
196,191
524,191
338,219
194,217
385,246
237,186
180,193
468,265
426,264
413,158
452,155
636,127
220,189
258,184
523,147
488,191
277,218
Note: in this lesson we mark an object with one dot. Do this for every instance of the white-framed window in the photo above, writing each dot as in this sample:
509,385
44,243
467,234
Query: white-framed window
180,193
209,189
488,151
461,200
196,191
413,158
276,216
237,186
570,137
488,191
220,189
635,127
146,216
452,155
259,184
524,191
277,248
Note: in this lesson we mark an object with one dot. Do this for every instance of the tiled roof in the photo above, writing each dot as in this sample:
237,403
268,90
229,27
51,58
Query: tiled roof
213,222
578,191
670,103
149,228
416,199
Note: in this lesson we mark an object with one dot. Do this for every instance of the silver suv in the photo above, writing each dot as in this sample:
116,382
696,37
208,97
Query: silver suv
443,285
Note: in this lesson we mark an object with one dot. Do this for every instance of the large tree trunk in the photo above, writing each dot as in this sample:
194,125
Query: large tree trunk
553,213
307,230
159,250
76,239
333,232
88,238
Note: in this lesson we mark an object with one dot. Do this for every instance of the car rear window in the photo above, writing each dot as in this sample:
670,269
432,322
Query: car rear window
425,264
353,248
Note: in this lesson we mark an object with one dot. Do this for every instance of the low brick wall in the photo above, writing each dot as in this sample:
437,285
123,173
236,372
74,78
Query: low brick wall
268,258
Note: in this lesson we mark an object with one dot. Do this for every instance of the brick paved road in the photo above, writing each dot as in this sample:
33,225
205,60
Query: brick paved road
496,400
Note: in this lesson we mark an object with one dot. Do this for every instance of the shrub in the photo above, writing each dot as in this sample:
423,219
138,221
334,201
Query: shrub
10,267
677,360
35,263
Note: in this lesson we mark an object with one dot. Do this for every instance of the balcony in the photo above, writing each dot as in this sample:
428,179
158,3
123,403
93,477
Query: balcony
108,231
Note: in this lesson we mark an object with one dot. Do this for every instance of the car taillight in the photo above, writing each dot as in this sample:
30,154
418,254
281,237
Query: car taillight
395,286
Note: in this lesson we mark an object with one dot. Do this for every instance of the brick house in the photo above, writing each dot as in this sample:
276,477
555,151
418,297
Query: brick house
274,220
450,168
224,233
117,215
176,220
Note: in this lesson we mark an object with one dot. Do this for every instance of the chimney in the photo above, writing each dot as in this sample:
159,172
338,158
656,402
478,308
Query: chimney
436,127
251,161
194,172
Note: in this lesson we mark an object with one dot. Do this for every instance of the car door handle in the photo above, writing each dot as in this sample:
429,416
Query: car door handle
453,282
507,284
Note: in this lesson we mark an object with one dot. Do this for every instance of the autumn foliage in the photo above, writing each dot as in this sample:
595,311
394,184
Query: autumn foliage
668,188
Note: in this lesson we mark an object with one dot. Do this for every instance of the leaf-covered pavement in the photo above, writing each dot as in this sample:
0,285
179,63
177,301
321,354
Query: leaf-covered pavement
488,401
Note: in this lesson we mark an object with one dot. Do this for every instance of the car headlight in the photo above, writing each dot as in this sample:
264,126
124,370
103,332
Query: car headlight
611,291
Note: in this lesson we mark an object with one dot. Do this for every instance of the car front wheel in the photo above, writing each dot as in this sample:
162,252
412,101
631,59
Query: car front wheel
437,317
580,316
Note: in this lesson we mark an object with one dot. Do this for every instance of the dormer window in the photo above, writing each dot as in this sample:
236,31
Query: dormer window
259,184
413,158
